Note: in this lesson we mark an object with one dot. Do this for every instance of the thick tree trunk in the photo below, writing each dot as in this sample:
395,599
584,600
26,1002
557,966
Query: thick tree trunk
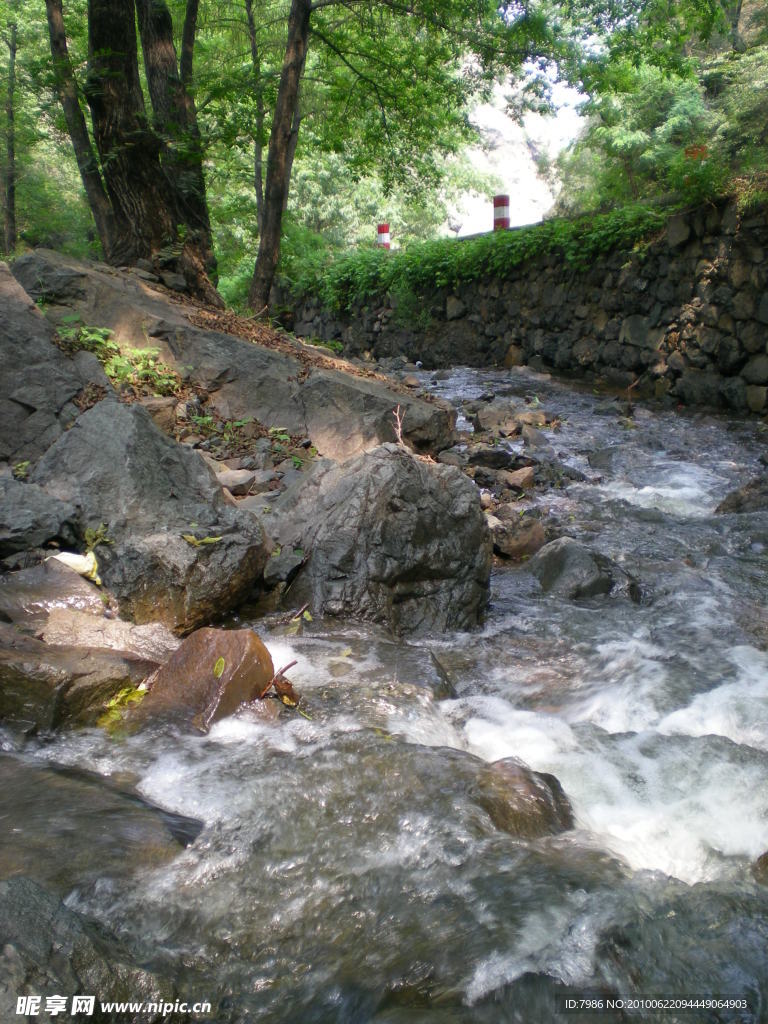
175,121
279,154
78,132
128,148
9,203
258,140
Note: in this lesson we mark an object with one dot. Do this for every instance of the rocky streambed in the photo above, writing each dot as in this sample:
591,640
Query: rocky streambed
461,823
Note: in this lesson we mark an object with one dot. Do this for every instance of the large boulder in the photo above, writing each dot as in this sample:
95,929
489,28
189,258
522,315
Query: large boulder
212,673
566,568
48,948
391,538
281,386
44,687
525,803
175,552
29,517
62,659
38,383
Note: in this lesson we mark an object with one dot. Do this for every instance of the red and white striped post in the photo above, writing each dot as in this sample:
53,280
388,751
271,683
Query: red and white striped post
500,213
382,238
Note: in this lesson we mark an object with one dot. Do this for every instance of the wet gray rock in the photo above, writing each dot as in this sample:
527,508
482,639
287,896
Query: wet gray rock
525,803
29,517
48,948
45,687
390,538
67,827
281,568
495,457
27,597
752,497
568,569
116,467
67,627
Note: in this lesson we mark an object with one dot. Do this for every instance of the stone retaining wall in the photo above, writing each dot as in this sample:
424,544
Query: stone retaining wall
686,317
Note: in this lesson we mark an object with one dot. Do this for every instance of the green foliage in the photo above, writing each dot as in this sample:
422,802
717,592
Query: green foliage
94,537
366,275
116,707
141,368
642,125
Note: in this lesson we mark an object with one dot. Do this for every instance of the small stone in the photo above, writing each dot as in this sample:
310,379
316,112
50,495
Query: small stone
533,438
486,499
756,398
454,308
518,536
520,478
237,481
175,282
756,370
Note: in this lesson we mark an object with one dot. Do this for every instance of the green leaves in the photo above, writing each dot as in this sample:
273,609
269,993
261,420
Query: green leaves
218,668
367,275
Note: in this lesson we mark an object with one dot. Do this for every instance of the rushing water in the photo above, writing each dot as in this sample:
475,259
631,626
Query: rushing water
344,873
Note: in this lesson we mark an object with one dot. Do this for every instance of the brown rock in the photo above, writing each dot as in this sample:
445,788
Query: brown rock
521,478
525,803
532,418
518,537
162,411
514,357
209,676
237,481
760,869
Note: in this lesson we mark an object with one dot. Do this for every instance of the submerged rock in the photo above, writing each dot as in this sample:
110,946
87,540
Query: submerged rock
523,802
49,948
65,827
752,497
390,538
175,552
212,673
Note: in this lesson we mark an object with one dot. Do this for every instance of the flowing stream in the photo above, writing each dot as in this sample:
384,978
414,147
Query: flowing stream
344,872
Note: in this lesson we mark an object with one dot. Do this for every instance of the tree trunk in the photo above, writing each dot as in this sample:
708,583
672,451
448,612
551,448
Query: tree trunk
146,222
175,121
292,144
279,155
78,132
258,140
9,204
